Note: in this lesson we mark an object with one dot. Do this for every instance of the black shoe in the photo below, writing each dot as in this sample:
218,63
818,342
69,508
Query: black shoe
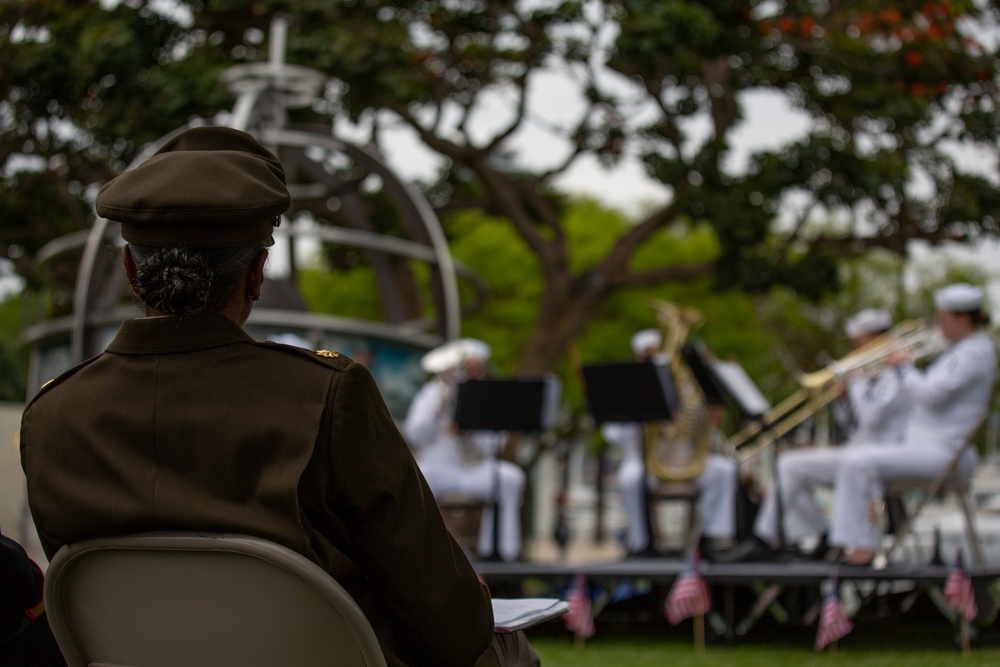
750,550
710,549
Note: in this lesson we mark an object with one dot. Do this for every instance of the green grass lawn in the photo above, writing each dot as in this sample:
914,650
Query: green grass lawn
873,644
641,637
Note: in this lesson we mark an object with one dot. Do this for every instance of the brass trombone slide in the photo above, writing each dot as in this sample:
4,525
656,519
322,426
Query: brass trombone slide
912,336
817,389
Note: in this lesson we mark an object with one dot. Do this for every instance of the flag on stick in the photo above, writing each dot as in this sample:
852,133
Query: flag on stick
834,622
958,591
689,595
579,618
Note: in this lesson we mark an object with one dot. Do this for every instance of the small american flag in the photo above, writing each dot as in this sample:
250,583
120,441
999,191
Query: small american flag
579,617
958,591
834,622
689,595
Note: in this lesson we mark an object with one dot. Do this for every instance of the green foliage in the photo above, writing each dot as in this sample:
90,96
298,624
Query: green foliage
888,91
13,359
514,285
512,280
346,292
877,83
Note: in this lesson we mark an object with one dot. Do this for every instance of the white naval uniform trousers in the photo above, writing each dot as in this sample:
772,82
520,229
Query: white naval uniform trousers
716,485
447,469
880,409
948,400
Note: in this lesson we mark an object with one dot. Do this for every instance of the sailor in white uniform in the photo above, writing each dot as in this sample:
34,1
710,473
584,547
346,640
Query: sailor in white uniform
717,483
879,410
949,400
465,463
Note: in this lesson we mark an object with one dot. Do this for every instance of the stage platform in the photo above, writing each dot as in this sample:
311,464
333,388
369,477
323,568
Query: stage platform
665,570
788,593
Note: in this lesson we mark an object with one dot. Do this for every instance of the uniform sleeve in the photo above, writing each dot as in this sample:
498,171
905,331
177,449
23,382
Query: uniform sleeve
441,614
425,420
935,386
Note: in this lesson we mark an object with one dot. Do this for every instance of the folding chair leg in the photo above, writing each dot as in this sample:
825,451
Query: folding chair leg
765,600
895,507
694,529
971,534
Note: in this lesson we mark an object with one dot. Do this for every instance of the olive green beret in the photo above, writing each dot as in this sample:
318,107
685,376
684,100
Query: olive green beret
212,187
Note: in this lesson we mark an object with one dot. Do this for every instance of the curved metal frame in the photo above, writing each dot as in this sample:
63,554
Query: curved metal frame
264,91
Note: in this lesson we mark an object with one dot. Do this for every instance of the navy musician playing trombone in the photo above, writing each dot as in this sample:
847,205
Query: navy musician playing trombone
878,409
950,398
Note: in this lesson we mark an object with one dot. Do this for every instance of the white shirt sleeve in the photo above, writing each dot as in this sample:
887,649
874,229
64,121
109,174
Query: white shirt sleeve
428,416
955,368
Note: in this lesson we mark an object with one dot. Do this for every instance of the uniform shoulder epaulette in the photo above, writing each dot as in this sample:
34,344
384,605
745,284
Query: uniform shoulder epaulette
330,358
52,382
325,357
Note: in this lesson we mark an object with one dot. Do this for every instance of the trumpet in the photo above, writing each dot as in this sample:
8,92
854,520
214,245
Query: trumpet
819,388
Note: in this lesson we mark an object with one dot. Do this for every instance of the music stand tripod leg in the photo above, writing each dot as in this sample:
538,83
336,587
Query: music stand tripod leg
495,554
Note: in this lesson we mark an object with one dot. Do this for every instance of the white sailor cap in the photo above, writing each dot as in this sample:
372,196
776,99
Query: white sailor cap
453,354
868,321
645,339
959,298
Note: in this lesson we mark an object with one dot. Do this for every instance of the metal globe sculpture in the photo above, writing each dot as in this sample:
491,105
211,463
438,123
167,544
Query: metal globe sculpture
349,210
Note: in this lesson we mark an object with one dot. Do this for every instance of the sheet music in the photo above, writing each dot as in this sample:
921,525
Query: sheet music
741,388
517,614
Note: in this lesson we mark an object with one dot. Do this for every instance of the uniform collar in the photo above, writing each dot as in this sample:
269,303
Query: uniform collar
165,335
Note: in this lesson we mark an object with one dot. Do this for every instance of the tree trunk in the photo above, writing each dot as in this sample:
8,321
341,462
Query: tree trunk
562,318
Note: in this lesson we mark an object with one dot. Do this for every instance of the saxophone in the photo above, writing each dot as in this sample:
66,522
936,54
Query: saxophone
676,451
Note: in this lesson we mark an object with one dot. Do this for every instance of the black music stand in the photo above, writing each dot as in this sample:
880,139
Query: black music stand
724,382
505,405
754,407
699,360
629,392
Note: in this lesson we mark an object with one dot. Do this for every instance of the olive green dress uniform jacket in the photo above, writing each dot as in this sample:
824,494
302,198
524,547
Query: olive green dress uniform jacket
188,423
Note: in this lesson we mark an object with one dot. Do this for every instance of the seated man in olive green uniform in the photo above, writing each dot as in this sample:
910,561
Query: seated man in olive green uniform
185,422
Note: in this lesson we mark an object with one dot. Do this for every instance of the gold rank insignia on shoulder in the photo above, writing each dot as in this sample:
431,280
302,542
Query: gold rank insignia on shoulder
328,354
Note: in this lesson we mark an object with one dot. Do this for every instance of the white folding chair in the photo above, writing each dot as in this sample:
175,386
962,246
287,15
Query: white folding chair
201,600
949,480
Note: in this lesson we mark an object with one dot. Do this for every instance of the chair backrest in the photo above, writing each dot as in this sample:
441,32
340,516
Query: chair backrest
949,478
200,600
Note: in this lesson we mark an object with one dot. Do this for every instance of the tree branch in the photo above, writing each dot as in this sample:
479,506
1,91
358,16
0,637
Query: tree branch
504,193
615,264
660,275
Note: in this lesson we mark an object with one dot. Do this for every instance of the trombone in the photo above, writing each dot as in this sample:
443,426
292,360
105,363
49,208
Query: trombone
819,388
